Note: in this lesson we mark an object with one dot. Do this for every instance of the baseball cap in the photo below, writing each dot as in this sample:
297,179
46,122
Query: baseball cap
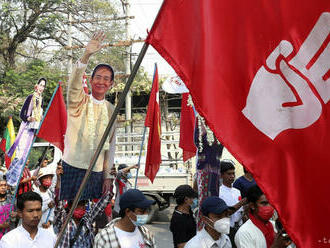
213,204
134,198
185,191
122,166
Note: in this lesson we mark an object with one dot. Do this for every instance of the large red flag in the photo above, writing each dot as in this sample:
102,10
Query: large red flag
258,71
152,121
54,125
187,128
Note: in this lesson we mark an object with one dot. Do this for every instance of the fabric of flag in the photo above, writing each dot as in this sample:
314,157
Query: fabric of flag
187,129
259,73
152,121
7,140
54,125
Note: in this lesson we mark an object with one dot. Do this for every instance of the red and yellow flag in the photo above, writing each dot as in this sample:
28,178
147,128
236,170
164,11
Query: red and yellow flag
7,140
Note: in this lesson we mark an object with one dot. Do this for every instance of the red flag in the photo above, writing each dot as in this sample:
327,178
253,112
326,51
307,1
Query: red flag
152,121
54,125
258,71
187,127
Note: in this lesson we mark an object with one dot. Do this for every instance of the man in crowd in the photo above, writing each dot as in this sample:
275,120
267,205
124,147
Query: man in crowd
29,234
122,184
79,232
243,183
259,231
183,225
231,196
7,222
47,194
88,116
128,230
217,225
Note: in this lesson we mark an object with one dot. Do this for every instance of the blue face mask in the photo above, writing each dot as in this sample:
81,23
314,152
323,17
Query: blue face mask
128,175
194,203
141,219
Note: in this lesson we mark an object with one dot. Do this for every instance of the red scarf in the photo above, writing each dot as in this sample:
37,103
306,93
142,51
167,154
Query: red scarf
266,228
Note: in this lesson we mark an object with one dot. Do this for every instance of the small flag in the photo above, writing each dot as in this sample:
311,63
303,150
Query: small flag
152,121
7,140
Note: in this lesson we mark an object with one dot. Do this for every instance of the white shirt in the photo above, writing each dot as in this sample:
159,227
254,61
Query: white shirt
130,239
203,240
232,196
20,238
47,197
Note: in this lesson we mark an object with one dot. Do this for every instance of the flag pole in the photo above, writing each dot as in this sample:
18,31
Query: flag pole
34,138
140,155
103,139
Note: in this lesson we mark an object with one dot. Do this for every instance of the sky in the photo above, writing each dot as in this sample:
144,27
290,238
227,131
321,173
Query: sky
145,12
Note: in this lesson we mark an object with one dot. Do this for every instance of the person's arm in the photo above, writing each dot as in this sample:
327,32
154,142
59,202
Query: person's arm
99,206
108,165
129,168
29,179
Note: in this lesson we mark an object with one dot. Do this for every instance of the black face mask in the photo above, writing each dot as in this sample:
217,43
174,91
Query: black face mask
3,195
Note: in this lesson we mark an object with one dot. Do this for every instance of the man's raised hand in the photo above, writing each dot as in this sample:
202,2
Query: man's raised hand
93,46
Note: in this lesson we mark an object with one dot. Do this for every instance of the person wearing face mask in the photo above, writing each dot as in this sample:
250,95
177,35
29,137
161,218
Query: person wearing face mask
128,231
80,231
122,185
215,215
259,231
183,224
47,194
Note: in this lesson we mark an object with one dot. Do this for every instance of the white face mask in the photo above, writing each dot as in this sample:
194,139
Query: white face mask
221,226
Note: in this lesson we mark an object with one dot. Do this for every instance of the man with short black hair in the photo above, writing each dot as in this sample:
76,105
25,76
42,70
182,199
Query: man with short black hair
183,224
259,231
243,183
28,234
231,196
217,225
128,230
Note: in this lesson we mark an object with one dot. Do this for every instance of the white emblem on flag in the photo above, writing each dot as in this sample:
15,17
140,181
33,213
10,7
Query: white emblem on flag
281,96
174,85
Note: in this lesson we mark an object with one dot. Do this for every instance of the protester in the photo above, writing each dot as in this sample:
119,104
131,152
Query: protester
243,183
183,224
231,196
31,115
29,234
259,231
88,116
128,230
215,215
25,184
122,184
7,222
79,232
47,194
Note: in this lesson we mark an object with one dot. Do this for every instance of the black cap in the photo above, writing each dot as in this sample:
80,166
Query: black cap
185,191
213,204
122,166
134,198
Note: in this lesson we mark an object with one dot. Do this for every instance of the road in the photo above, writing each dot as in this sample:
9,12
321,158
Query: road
160,228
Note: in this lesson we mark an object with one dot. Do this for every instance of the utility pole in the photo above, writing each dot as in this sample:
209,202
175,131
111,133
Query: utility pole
128,99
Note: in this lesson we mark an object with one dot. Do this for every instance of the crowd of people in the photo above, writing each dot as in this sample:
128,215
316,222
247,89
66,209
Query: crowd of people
34,216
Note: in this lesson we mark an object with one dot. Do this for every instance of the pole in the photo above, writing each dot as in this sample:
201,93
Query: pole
34,138
140,155
103,139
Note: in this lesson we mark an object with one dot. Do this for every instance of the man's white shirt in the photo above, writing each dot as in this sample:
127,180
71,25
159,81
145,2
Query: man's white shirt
231,196
203,240
20,238
130,239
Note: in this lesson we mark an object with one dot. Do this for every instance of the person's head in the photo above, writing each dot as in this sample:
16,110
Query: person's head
247,173
29,209
227,168
184,194
79,211
215,215
127,173
44,163
45,177
40,86
135,206
3,187
258,204
102,80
